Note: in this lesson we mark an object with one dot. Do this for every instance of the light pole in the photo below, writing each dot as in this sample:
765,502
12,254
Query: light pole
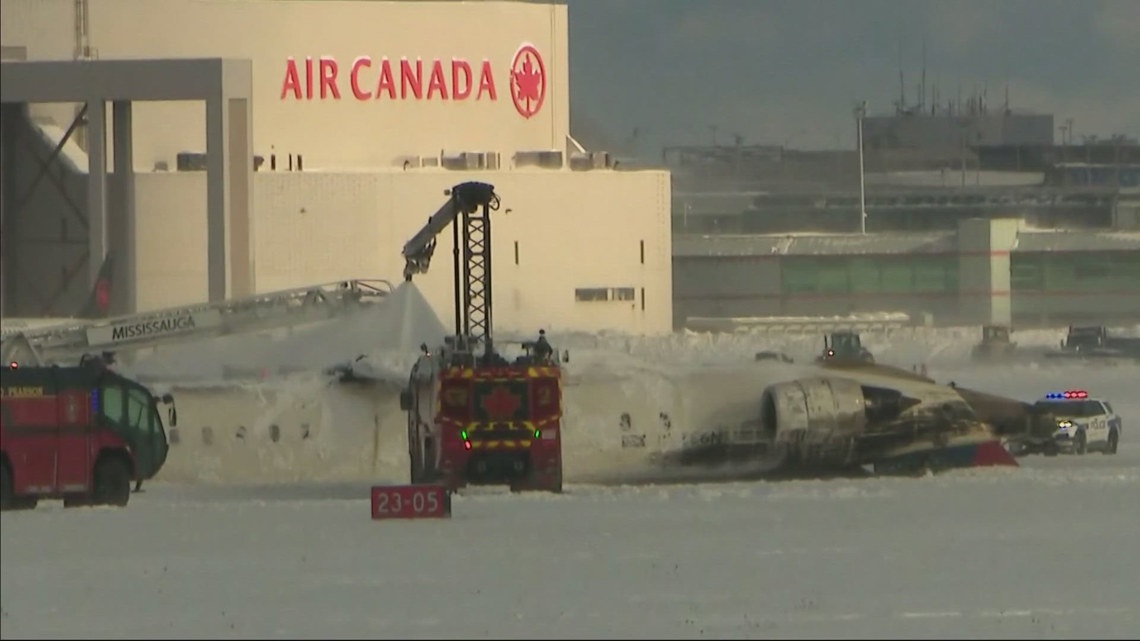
860,114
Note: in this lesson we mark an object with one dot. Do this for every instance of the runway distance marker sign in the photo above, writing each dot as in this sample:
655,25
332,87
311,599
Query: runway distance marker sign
410,502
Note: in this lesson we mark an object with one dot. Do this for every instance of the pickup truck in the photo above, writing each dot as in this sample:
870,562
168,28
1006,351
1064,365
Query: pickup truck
1096,342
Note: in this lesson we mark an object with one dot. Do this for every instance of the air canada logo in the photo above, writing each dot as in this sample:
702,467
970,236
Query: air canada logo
373,79
501,404
528,81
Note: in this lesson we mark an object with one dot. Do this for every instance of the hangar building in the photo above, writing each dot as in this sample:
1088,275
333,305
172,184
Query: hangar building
254,145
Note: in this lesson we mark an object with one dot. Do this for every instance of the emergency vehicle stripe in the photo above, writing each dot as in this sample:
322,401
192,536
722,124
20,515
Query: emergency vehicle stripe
504,444
529,426
501,374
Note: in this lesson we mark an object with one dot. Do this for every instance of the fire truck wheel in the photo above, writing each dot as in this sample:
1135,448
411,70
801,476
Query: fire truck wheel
112,482
8,498
7,492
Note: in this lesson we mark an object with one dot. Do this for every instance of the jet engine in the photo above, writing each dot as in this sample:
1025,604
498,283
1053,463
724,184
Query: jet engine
821,418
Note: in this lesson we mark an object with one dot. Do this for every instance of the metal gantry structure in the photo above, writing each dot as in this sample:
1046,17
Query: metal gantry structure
468,210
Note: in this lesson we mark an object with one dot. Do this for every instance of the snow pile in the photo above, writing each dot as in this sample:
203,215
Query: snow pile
390,330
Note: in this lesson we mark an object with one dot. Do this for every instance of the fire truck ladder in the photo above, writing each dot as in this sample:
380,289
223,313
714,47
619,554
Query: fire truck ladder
473,202
66,342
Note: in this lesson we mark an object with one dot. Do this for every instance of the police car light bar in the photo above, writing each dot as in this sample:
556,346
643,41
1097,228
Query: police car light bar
1071,394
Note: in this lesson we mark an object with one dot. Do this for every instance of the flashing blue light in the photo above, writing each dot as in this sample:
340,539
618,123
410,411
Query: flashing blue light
95,401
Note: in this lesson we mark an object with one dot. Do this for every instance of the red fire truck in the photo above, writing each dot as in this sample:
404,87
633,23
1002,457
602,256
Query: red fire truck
82,434
495,423
473,416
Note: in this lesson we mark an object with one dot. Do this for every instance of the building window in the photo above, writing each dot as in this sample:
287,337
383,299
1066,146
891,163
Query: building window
932,276
897,277
864,273
596,294
1025,274
842,275
832,276
592,294
1092,267
800,275
1126,267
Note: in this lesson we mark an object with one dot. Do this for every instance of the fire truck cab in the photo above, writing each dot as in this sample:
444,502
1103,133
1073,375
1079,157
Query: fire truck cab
82,434
482,420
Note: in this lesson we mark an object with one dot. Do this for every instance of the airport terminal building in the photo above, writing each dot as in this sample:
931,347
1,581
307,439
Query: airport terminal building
254,146
1012,234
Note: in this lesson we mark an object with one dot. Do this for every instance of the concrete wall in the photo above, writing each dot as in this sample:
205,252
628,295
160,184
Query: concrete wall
329,131
572,229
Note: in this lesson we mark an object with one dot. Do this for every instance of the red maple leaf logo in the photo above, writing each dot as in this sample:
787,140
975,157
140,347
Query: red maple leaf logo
500,404
528,81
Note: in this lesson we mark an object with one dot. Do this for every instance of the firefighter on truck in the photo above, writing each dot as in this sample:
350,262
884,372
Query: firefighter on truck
83,434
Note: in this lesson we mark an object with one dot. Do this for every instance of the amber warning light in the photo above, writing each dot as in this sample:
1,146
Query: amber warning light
410,502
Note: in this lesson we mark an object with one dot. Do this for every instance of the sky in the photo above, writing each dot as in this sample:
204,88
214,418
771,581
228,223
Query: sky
646,73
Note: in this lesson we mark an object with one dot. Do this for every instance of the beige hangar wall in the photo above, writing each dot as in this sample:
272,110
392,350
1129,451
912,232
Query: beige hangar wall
332,132
573,229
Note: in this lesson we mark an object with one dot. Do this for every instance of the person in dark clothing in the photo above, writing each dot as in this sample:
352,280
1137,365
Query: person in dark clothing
542,349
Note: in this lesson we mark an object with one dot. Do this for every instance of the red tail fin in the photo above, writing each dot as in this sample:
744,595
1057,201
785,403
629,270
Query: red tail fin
98,303
993,453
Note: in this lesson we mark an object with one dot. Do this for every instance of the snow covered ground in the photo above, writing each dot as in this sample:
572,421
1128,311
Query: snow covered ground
1045,551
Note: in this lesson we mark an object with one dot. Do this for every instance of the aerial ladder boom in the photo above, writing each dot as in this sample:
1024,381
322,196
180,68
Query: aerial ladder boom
468,211
67,341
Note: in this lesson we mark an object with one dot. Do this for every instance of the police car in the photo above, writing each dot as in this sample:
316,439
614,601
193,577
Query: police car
1084,423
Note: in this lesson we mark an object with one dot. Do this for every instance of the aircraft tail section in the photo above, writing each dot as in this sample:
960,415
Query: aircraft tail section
98,304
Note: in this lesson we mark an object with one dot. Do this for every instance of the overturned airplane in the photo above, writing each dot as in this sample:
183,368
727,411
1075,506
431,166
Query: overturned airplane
847,415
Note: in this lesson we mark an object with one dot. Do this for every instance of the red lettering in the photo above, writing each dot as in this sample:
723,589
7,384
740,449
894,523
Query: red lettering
407,78
292,82
308,78
460,67
486,82
437,83
386,84
411,83
362,62
328,79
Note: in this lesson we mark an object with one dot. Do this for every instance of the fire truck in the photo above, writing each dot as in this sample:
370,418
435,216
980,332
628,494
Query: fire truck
81,433
475,417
